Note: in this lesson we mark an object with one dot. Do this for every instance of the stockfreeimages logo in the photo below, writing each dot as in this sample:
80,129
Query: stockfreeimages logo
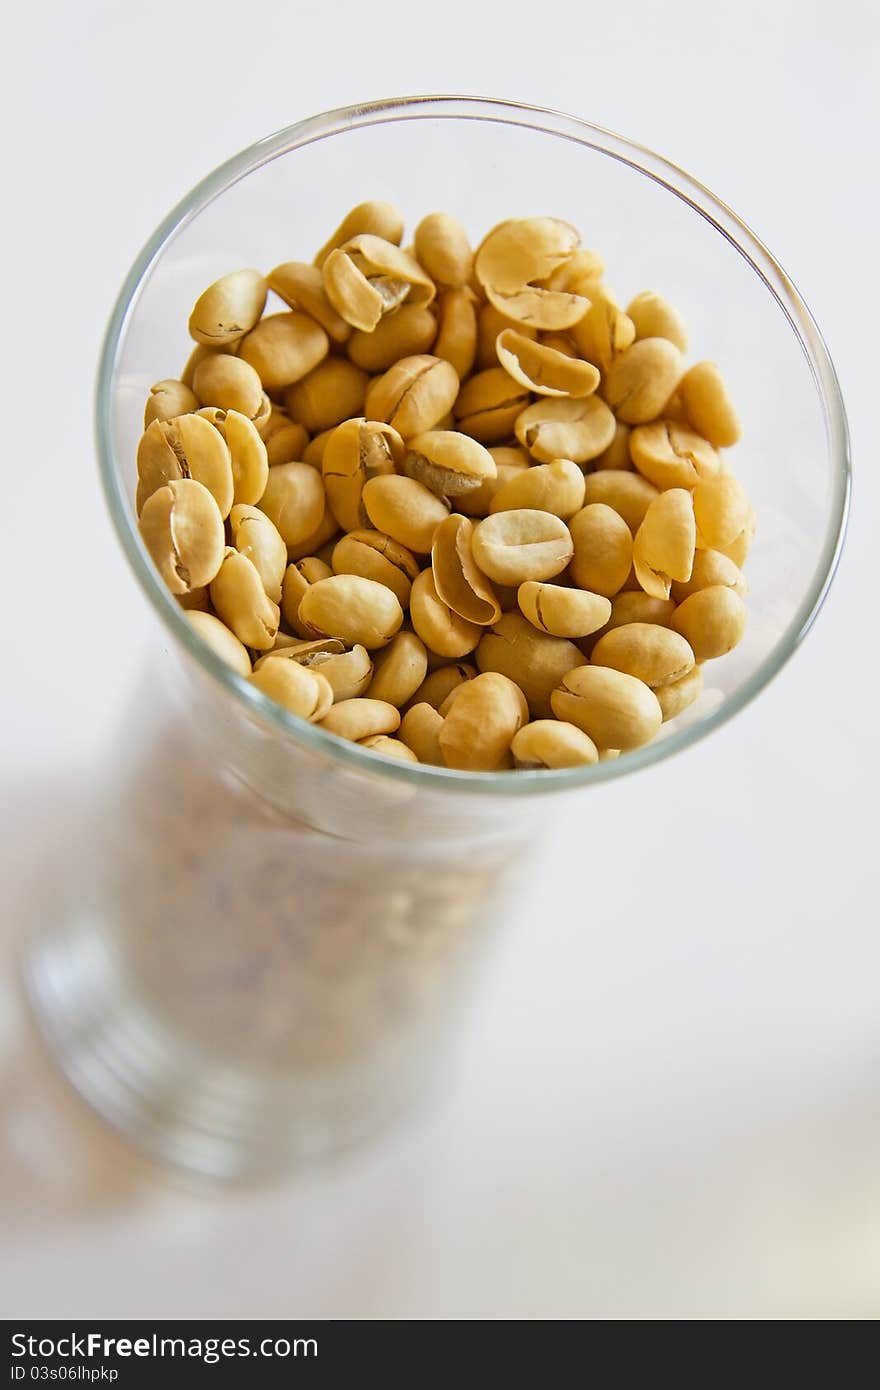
95,1346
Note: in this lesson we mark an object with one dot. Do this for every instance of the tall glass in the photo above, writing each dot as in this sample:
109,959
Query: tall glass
275,930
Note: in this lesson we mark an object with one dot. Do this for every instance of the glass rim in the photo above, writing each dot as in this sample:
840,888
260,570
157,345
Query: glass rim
642,160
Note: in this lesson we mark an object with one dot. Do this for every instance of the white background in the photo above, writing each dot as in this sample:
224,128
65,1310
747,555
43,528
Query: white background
670,1108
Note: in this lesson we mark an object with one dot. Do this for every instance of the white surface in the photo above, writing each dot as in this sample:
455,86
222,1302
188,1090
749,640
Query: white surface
669,1109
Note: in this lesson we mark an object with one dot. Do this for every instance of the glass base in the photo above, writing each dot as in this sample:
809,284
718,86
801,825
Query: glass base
175,1103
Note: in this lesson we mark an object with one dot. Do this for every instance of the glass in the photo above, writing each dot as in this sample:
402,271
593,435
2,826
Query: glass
274,929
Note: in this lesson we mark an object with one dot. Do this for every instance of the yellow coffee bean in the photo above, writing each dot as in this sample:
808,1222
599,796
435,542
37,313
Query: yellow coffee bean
228,308
708,406
298,578
294,501
629,494
278,420
604,331
641,379
447,704
405,510
654,317
721,509
563,612
442,247
408,333
458,581
325,553
361,718
617,455
347,673
314,568
478,729
379,218
296,689
520,250
256,537
489,404
675,413
559,342
572,429
167,399
552,743
354,609
382,262
339,472
556,487
228,383
510,456
603,547
283,348
665,542
614,709
198,354
242,603
537,307
323,536
675,698
214,415
635,606
389,748
301,286
713,620
358,301
332,392
456,331
355,452
656,654
248,456
511,547
506,595
543,369
376,556
671,456
420,731
535,661
413,395
710,567
181,526
439,682
442,630
287,445
448,462
368,277
188,447
399,670
221,640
